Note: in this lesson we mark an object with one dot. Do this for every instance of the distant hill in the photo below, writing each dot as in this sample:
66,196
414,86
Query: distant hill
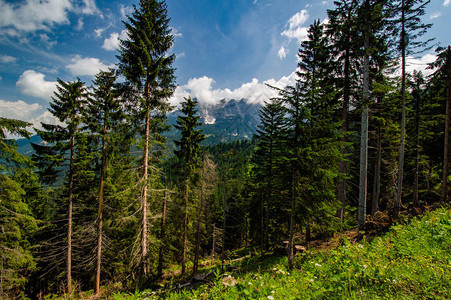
224,122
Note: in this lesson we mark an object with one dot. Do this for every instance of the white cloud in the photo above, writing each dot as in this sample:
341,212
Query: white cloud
46,40
99,32
446,2
254,91
126,10
175,32
90,8
47,118
18,110
435,15
420,64
112,43
7,59
295,29
34,84
282,52
180,55
80,24
33,15
86,66
254,2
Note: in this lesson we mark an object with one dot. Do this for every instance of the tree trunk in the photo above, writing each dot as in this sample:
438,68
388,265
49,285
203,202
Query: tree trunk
403,114
199,222
185,229
417,149
144,197
162,231
213,242
377,174
364,138
444,195
69,215
292,211
343,166
99,213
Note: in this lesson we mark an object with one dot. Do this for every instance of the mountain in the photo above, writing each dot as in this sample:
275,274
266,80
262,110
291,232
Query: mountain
223,122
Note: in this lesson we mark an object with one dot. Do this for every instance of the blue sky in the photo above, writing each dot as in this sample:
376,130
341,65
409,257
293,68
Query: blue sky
224,49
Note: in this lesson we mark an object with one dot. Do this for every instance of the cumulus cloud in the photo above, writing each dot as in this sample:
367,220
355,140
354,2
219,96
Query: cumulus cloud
32,15
295,29
7,59
282,52
99,32
18,110
112,43
446,2
86,66
254,91
420,64
34,84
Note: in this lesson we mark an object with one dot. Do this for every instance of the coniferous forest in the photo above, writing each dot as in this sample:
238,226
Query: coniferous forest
103,208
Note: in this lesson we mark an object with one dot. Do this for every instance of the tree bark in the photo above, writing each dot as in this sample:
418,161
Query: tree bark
199,221
162,232
364,137
444,195
403,114
69,215
343,166
185,229
99,213
377,174
144,197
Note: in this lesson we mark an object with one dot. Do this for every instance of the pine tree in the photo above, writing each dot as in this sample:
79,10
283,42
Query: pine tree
443,72
188,155
268,160
105,117
17,223
68,107
342,29
143,60
408,27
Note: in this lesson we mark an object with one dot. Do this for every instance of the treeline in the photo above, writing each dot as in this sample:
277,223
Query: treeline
99,202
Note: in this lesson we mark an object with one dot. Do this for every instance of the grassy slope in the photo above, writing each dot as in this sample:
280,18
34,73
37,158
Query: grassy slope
410,262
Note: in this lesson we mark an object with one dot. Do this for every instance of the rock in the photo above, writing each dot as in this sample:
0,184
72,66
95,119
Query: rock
229,281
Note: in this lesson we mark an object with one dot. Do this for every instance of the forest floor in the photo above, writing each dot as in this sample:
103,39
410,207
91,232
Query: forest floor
408,260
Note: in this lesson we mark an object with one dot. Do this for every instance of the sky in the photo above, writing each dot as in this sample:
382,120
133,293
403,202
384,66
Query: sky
225,49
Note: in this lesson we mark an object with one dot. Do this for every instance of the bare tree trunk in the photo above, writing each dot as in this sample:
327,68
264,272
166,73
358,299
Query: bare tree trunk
417,150
364,138
199,221
144,198
262,223
185,228
343,166
292,211
398,203
377,174
213,242
162,231
99,213
444,195
69,215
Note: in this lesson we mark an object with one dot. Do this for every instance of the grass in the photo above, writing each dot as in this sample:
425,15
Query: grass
412,261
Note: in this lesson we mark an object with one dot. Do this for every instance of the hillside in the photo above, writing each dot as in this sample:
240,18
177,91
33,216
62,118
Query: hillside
412,261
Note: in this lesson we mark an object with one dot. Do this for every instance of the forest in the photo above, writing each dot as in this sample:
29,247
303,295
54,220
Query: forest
102,203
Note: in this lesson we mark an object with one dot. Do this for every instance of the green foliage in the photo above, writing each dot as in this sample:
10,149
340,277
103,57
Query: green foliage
412,261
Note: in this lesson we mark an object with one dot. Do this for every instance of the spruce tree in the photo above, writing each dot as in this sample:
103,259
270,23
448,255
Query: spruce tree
407,26
443,73
188,155
268,161
17,223
68,106
144,62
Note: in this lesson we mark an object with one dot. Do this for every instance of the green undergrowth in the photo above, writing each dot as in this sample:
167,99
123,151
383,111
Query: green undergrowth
412,261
